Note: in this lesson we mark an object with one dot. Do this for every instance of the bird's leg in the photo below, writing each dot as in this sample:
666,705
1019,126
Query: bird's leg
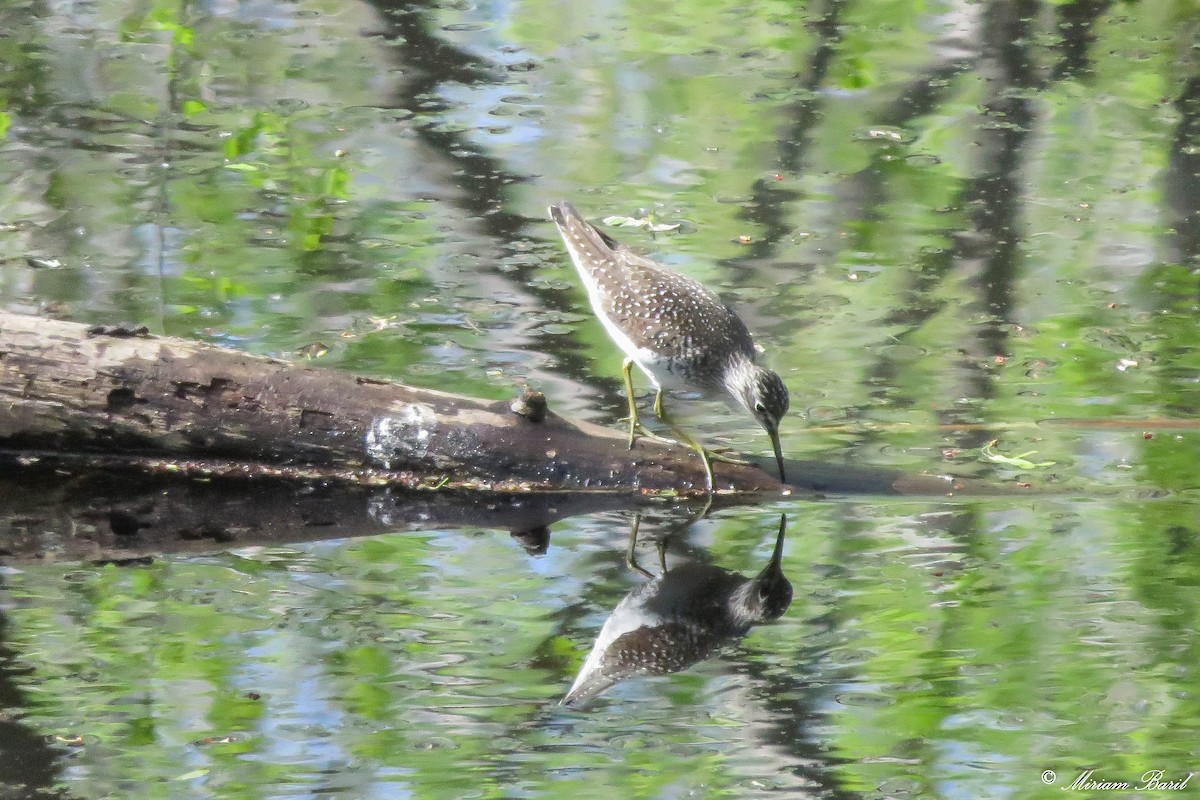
630,558
658,412
715,455
719,455
709,480
630,551
635,424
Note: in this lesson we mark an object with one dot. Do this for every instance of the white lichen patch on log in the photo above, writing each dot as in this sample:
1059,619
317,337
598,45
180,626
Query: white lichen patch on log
403,436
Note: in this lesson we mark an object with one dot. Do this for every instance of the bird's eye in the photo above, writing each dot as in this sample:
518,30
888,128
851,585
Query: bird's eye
760,408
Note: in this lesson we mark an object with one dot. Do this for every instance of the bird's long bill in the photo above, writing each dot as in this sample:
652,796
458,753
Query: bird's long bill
777,554
774,434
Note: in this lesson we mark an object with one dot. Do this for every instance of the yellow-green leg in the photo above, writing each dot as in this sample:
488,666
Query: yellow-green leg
719,456
709,479
635,424
713,455
631,556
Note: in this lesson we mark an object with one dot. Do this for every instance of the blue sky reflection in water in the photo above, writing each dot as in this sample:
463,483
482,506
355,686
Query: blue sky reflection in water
947,224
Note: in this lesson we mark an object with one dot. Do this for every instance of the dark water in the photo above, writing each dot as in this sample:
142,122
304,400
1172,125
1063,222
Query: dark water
947,224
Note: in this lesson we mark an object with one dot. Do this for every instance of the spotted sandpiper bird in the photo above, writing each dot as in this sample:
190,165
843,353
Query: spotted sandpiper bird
685,615
676,330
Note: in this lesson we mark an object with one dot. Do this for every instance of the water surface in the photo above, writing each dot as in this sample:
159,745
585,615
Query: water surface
947,224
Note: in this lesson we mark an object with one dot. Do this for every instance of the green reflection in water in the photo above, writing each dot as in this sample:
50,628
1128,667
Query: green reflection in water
937,246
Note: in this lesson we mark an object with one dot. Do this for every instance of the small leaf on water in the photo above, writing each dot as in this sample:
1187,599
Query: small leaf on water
191,776
313,350
641,222
1019,461
621,222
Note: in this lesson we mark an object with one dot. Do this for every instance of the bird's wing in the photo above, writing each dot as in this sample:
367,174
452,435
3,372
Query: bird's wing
657,308
659,650
671,313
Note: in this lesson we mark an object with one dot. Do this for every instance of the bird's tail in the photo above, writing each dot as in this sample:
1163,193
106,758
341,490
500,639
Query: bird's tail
587,688
581,237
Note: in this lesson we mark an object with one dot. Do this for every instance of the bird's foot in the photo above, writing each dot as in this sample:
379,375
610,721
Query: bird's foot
660,439
637,429
720,455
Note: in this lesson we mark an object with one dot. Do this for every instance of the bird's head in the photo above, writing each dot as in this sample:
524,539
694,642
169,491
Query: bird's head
767,398
763,394
768,594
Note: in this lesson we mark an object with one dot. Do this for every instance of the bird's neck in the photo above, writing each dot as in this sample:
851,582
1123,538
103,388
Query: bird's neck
741,612
739,373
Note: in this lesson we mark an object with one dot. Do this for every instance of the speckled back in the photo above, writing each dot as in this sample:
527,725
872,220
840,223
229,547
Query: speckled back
657,309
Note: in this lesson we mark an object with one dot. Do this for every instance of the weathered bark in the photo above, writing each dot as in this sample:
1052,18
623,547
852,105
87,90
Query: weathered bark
118,445
180,405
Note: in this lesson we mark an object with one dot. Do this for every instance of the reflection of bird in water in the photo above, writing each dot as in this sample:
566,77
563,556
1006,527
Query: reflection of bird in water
685,615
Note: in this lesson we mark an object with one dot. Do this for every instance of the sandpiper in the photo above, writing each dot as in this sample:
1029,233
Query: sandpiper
685,615
678,332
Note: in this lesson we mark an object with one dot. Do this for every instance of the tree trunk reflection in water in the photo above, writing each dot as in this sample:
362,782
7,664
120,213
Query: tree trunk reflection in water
481,184
29,767
1182,178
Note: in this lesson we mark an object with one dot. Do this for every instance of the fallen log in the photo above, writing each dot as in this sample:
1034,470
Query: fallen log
116,445
164,404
